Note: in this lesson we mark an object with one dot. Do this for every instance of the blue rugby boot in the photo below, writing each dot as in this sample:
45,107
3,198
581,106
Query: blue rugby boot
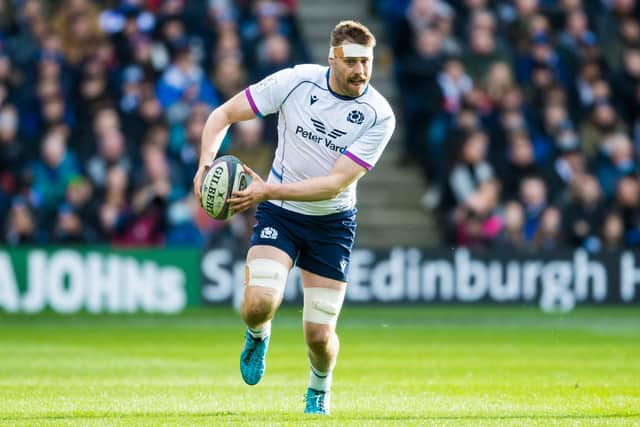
252,358
317,402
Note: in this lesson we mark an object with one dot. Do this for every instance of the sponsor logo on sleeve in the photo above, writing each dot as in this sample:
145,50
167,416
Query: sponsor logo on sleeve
265,83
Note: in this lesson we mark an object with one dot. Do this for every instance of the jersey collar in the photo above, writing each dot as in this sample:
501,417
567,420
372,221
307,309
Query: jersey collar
343,97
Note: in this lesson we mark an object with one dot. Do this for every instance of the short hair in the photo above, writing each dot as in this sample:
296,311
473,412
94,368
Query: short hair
354,32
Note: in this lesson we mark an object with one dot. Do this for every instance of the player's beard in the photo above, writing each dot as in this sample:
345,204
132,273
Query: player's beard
345,83
356,85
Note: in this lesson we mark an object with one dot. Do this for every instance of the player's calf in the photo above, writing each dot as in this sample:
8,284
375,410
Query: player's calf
265,280
321,309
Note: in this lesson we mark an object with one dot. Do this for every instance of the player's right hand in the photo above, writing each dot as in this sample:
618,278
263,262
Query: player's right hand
255,193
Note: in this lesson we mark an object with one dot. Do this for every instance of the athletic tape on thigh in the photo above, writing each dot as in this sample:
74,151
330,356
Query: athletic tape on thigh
267,273
322,305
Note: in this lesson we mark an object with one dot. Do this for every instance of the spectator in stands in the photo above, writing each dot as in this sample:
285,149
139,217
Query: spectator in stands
533,196
229,77
618,28
95,89
569,164
76,22
602,122
113,209
576,42
70,228
626,84
472,191
21,227
583,88
151,196
273,54
419,79
627,202
182,228
520,164
498,82
11,157
555,121
446,139
185,82
615,161
612,232
80,198
520,23
184,147
482,53
11,148
583,215
111,152
248,145
548,234
511,235
52,172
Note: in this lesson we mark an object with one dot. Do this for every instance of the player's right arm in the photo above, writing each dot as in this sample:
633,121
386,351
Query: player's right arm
234,110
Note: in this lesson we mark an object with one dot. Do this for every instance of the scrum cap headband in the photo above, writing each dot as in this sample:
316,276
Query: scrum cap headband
351,51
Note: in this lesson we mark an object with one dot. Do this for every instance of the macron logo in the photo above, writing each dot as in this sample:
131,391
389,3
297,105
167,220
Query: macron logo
313,99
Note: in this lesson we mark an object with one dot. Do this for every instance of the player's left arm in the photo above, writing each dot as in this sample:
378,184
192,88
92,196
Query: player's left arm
344,173
351,166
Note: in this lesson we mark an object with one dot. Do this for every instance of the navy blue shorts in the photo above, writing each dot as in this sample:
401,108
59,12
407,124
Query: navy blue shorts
319,244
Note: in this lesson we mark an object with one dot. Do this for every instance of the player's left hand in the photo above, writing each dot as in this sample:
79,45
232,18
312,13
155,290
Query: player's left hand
255,193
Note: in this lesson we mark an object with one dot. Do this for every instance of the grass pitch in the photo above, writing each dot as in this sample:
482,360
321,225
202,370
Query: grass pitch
398,366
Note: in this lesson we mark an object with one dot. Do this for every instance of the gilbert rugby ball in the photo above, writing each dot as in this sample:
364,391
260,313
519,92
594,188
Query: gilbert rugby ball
224,176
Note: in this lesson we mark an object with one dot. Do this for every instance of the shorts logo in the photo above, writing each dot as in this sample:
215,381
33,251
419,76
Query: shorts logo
269,233
343,264
355,116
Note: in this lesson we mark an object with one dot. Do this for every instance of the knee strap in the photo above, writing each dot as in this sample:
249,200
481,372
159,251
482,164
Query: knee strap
322,305
267,273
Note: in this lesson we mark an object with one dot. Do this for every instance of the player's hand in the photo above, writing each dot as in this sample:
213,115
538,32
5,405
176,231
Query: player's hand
255,193
197,181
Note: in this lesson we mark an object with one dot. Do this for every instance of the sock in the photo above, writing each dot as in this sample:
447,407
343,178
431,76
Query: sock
261,333
320,381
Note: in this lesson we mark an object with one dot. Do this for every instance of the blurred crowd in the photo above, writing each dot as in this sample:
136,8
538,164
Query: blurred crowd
102,105
524,116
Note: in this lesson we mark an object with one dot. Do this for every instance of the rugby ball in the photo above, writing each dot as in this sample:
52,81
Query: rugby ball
224,176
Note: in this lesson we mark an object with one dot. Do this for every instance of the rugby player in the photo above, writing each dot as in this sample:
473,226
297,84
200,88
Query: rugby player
332,128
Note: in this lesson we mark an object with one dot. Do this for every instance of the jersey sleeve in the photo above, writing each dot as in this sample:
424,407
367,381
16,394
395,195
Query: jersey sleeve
266,96
367,150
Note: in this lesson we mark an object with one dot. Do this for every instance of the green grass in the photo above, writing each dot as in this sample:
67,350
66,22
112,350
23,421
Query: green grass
398,366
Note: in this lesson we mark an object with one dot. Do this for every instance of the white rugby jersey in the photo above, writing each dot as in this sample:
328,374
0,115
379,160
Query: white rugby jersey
316,126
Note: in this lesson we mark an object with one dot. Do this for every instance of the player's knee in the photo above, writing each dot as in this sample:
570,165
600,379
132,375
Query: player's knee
318,337
258,309
265,280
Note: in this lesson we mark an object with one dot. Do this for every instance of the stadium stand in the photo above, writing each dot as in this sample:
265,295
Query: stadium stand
521,117
102,105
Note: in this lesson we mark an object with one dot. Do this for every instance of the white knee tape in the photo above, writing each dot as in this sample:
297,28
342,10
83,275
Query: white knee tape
267,273
322,305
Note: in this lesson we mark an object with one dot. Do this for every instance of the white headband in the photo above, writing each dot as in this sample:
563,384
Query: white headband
351,51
